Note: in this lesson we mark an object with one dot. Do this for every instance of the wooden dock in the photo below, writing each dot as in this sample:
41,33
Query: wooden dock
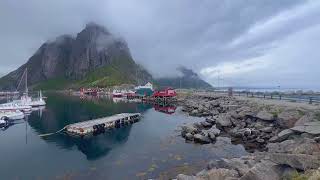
98,126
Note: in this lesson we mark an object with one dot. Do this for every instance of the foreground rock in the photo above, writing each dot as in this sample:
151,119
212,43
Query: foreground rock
266,116
312,128
284,141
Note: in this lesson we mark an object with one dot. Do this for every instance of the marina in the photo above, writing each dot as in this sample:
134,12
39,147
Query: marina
152,142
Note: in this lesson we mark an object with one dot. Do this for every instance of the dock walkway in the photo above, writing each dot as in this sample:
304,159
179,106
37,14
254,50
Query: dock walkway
97,126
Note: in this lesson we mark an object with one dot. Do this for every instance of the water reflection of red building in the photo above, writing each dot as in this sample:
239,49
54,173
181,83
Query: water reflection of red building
90,91
169,109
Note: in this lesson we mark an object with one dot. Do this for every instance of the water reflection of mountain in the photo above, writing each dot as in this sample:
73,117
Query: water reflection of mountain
94,147
62,110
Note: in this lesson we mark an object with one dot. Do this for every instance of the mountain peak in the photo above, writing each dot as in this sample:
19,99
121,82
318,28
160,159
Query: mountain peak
187,79
94,57
94,27
187,72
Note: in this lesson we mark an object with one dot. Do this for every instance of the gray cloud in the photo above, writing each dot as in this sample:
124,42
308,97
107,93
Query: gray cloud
164,34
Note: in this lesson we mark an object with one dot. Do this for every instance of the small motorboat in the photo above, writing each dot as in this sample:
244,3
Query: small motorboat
12,115
15,106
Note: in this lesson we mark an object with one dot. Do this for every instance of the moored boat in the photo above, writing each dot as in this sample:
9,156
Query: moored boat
15,106
117,93
12,115
26,100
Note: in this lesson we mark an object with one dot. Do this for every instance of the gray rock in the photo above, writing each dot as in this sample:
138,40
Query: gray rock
224,121
310,127
189,129
194,112
206,124
198,125
283,135
211,120
202,139
211,136
189,137
298,161
304,119
240,132
215,131
265,116
317,139
295,146
185,177
273,139
259,140
218,174
265,170
267,129
288,118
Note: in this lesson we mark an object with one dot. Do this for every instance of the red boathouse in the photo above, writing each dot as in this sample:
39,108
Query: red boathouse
166,93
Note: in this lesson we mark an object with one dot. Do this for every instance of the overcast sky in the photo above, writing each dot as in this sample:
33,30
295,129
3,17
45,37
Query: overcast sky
242,42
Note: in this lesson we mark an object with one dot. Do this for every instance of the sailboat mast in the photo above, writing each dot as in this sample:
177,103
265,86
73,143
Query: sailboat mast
26,81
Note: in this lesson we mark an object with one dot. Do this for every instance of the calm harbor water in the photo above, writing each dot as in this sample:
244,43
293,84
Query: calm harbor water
150,148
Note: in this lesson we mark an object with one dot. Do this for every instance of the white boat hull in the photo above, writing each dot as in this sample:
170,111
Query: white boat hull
12,115
14,106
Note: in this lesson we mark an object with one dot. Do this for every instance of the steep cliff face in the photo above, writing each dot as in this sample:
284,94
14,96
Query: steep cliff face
188,79
95,47
93,58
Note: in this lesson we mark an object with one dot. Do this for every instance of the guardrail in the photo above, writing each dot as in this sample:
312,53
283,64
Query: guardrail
276,96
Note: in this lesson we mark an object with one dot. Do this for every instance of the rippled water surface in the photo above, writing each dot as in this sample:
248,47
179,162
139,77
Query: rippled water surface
150,148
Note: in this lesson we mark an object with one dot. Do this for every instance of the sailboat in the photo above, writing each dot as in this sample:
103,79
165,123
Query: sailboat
26,99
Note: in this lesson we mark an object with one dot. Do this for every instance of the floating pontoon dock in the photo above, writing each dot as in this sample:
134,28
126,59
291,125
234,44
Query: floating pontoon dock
98,126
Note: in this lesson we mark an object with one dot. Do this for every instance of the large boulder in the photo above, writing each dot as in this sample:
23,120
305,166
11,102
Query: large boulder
185,177
218,174
295,146
283,135
297,161
189,137
265,116
304,119
201,139
312,128
288,118
267,129
265,170
188,129
211,120
246,111
224,120
215,131
206,124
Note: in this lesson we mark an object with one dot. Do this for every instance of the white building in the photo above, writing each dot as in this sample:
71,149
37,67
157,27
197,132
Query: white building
147,86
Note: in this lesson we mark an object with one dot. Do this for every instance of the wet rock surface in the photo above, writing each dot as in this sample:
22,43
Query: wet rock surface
281,140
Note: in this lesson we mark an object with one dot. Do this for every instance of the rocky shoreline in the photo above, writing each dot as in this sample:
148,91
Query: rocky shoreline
283,141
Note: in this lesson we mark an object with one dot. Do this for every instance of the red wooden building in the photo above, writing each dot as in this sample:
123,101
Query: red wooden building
166,93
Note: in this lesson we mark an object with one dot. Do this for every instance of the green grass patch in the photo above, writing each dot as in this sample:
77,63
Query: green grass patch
301,113
105,77
53,84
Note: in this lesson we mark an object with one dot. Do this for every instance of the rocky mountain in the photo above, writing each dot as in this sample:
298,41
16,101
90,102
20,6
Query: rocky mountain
94,57
188,79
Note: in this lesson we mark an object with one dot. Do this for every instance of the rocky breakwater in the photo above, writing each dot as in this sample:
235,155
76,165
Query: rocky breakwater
284,141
